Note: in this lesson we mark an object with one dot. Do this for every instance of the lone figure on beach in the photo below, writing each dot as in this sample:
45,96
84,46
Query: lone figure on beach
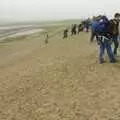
73,29
65,33
46,39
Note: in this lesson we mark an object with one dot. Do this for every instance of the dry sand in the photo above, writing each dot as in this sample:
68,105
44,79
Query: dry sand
58,81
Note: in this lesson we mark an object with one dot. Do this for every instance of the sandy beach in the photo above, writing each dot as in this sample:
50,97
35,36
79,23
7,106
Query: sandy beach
58,81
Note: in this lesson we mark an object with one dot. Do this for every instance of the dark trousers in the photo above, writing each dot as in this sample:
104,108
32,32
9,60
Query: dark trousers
116,44
87,29
93,35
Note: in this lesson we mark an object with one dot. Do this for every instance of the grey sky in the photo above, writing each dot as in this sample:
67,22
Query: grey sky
55,9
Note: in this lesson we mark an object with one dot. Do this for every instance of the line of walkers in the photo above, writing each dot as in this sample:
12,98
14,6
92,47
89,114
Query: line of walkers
106,32
76,29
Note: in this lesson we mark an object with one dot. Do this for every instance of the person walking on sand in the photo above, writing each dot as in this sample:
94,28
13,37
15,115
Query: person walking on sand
74,30
65,33
102,31
115,31
80,28
46,38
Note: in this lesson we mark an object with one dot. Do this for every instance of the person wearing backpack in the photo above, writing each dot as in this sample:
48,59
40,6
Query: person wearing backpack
115,32
101,30
94,23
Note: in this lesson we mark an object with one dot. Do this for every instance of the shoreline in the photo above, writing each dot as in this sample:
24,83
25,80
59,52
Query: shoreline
7,32
20,34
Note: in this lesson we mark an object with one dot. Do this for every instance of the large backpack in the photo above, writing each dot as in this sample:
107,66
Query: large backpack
100,27
113,27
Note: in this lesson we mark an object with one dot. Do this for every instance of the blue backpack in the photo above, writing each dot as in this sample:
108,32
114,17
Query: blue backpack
100,27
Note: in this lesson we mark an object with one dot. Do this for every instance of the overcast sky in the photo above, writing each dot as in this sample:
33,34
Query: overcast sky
21,10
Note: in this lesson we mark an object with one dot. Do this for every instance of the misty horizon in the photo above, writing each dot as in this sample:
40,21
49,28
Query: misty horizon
38,10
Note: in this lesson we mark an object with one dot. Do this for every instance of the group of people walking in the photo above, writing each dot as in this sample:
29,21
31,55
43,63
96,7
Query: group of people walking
106,32
76,29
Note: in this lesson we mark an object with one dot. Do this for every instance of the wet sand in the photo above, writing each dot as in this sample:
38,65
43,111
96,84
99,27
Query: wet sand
58,81
13,31
10,31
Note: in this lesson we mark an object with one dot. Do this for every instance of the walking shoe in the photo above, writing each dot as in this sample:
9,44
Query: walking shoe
113,61
101,61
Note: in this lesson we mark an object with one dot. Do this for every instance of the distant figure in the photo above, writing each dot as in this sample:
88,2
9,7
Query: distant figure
65,33
74,29
87,25
80,27
46,39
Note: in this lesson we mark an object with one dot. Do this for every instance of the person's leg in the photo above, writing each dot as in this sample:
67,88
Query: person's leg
92,36
75,32
119,39
97,38
71,32
110,52
63,35
87,29
101,52
116,44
